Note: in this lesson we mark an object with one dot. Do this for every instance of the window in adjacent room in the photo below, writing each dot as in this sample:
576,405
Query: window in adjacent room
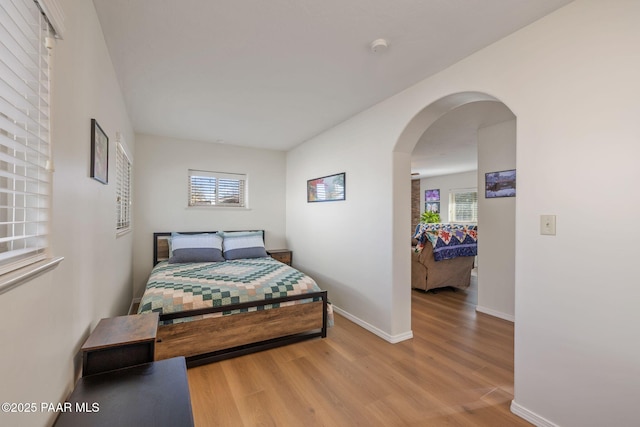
25,176
463,205
123,190
217,189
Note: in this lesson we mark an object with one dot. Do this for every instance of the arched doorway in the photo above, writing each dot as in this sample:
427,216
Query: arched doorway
503,299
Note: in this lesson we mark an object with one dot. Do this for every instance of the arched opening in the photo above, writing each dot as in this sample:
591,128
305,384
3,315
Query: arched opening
501,301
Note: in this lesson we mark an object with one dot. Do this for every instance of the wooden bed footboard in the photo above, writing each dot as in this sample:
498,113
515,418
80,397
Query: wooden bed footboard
216,338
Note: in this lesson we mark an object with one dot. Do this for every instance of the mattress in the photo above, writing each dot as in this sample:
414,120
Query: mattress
175,288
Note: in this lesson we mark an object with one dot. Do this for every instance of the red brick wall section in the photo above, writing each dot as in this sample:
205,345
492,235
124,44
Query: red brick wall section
415,204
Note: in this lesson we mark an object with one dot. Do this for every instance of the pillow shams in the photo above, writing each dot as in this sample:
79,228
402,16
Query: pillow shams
195,248
244,245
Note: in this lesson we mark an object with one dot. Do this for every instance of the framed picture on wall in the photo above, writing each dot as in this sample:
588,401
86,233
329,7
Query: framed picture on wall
500,184
432,207
329,188
432,195
99,153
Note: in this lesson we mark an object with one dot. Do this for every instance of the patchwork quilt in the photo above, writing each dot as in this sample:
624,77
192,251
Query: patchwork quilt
448,240
188,286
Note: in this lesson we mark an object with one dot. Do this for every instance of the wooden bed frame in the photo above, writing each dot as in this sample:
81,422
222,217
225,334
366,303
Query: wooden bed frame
217,338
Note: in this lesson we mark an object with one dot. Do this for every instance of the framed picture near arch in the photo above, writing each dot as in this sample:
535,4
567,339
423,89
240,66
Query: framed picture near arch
99,153
500,184
432,195
432,207
329,188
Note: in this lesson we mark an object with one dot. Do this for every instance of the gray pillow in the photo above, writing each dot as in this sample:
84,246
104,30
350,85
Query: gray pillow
244,244
206,247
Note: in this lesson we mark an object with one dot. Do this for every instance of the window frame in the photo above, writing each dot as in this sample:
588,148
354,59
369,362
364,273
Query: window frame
123,190
452,205
211,192
48,11
25,146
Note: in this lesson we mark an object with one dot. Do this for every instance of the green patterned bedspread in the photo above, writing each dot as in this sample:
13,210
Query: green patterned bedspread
180,287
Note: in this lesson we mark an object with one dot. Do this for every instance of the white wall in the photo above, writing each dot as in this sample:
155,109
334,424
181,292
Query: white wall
571,80
496,224
446,183
44,322
161,186
344,245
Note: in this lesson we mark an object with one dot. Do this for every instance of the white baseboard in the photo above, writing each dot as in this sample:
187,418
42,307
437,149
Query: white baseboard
496,313
393,339
532,417
133,302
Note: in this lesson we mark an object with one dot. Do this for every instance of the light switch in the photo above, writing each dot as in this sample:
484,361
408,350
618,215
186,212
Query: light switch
548,225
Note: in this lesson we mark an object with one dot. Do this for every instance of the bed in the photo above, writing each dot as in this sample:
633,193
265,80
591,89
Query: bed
232,302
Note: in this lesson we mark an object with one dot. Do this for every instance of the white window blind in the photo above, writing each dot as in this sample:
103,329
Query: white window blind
463,205
123,190
24,134
216,189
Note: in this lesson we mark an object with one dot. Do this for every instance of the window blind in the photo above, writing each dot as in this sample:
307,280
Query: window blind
463,205
24,134
216,189
123,190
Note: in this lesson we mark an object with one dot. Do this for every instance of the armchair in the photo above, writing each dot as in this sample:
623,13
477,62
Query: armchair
456,247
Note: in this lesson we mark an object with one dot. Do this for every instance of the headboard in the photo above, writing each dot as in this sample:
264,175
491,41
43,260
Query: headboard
161,242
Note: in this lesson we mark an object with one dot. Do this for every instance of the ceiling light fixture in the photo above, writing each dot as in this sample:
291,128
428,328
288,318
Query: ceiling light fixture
379,46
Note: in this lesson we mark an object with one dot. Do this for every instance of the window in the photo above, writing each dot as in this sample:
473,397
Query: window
123,190
25,178
216,189
463,205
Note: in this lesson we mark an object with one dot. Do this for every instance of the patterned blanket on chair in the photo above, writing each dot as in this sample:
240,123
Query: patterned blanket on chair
448,240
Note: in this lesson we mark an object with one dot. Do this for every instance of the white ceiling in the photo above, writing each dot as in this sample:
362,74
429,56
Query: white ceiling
275,73
450,145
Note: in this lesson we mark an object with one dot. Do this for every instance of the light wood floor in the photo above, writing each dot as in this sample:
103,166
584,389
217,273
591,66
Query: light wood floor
456,371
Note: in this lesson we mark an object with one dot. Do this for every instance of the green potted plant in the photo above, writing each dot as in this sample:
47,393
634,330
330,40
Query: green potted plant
429,217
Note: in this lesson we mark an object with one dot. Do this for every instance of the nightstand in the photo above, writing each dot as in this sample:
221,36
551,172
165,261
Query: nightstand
119,342
283,255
